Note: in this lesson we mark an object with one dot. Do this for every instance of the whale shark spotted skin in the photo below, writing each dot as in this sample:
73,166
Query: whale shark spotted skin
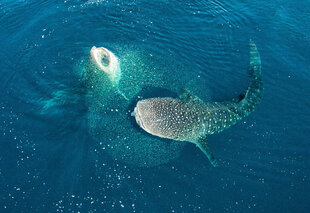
192,120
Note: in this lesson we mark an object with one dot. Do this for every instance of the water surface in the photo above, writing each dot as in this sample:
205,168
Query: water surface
51,160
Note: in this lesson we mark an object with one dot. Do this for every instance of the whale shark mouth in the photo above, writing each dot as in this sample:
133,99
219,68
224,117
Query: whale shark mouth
101,57
107,62
143,113
138,118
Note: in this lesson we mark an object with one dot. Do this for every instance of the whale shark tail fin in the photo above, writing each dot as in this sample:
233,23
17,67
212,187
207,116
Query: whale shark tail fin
254,93
204,147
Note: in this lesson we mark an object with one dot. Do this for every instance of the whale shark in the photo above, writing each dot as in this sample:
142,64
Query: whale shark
192,120
106,61
100,61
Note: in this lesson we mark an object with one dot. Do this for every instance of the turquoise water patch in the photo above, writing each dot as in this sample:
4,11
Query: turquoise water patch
52,161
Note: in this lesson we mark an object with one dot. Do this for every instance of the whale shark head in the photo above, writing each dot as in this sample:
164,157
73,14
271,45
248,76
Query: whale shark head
160,117
144,114
106,61
151,117
101,57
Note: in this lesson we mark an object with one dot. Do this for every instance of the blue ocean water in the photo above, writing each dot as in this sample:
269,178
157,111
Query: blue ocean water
65,155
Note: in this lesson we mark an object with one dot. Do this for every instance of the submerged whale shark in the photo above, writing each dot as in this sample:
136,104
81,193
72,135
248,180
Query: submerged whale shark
106,61
192,119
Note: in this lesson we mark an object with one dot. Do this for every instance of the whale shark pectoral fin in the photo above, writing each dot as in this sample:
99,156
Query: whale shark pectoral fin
204,147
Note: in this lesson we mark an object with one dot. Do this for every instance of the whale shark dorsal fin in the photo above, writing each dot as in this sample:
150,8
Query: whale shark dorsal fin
204,147
186,96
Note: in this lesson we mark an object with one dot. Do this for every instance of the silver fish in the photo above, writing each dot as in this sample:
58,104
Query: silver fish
192,120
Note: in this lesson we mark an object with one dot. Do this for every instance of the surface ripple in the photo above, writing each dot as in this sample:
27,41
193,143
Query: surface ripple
53,159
